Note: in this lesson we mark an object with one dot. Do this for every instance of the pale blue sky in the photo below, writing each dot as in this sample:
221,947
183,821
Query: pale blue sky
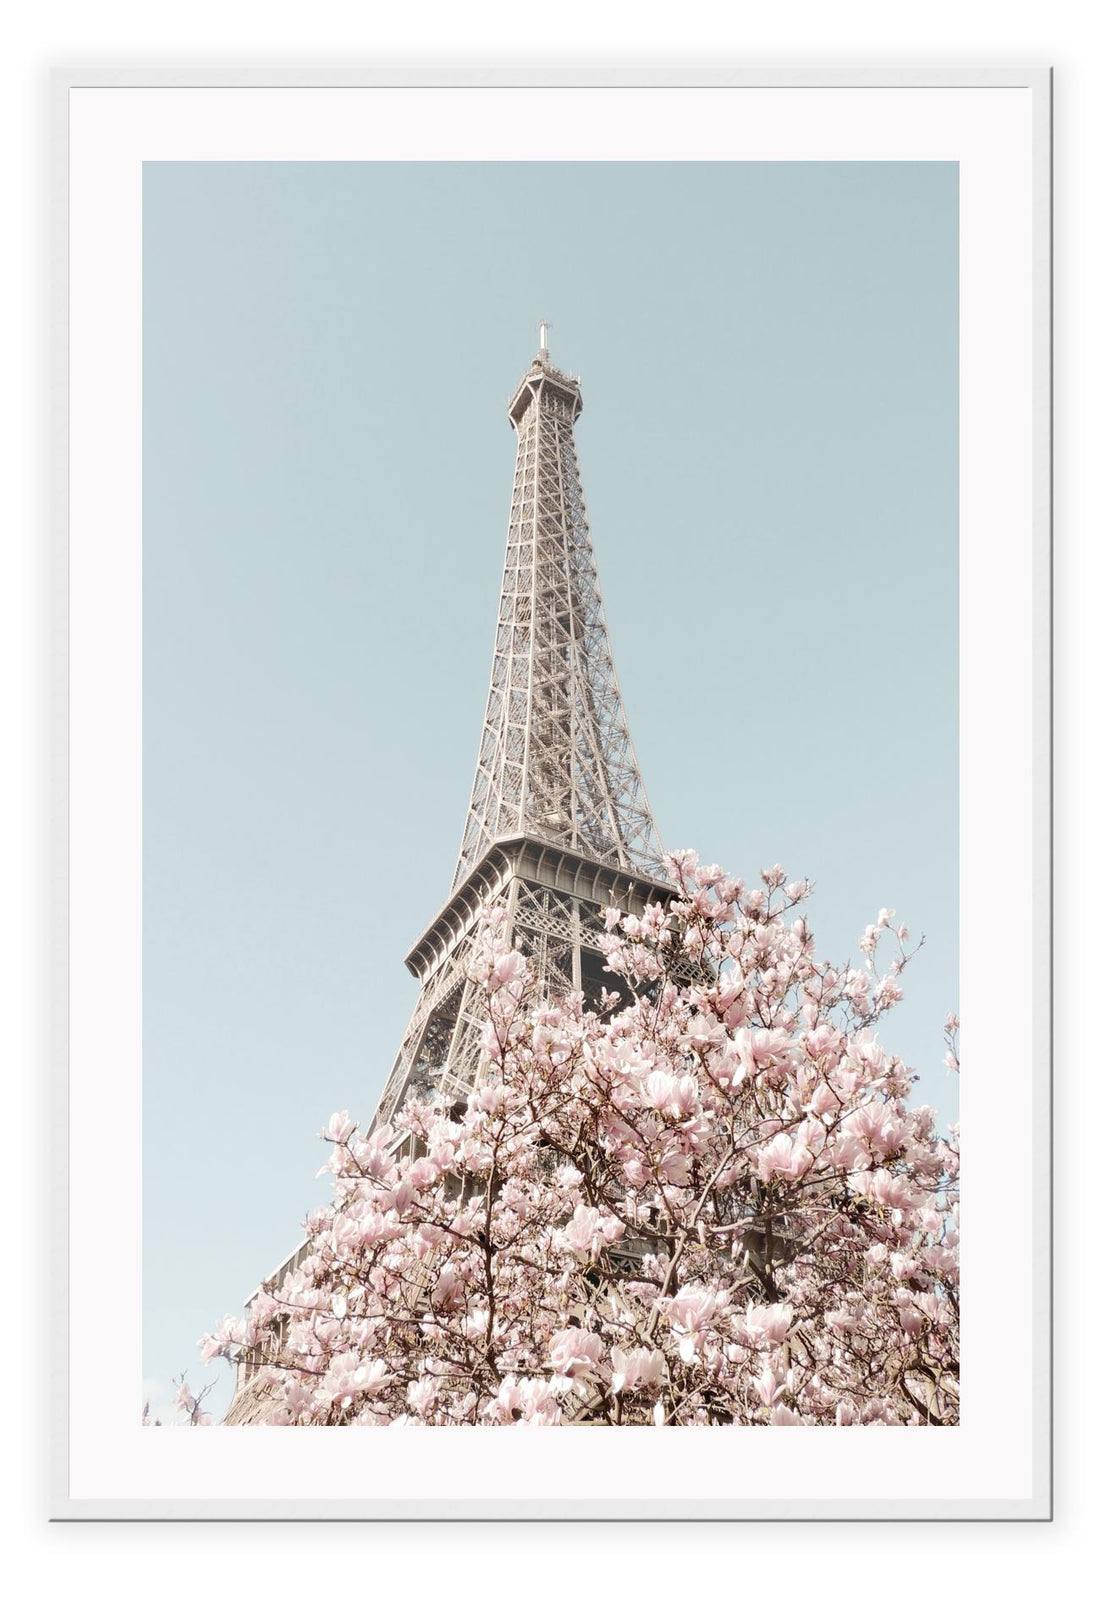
768,355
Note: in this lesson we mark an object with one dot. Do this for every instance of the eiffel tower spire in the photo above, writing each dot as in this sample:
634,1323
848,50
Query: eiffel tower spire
556,759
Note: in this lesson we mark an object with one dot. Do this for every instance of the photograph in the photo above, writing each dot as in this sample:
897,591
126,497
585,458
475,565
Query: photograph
504,1060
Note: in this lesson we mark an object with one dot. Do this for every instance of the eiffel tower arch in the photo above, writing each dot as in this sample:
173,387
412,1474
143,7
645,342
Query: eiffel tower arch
558,824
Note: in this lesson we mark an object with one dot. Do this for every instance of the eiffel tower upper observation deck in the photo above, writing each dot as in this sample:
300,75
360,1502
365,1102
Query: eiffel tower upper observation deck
558,823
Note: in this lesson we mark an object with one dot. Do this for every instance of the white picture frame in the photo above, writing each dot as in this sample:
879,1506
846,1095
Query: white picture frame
996,125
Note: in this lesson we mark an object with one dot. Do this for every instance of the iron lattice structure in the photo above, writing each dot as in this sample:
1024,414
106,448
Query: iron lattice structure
556,759
558,824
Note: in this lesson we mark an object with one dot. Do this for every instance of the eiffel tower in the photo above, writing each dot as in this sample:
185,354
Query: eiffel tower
558,824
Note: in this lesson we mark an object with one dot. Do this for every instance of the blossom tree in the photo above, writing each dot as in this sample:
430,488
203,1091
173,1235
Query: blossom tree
708,1204
186,1404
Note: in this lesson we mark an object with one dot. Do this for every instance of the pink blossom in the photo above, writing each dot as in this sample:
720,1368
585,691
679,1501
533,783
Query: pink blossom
888,992
489,1098
448,1288
583,1232
689,1314
340,1127
682,865
509,969
673,1095
348,1377
783,1157
768,1388
767,1324
631,1368
575,1353
759,1049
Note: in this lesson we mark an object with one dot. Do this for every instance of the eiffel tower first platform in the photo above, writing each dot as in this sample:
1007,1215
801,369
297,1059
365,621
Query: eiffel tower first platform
558,824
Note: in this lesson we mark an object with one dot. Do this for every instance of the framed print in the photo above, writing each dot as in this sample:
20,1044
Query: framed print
614,1135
